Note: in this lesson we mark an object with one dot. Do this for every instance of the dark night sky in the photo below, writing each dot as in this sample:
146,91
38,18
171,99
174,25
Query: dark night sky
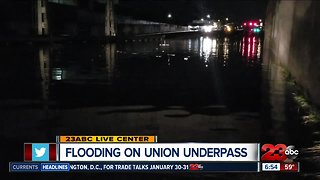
185,11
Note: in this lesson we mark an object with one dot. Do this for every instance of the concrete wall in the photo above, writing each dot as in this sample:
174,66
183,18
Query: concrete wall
131,27
292,40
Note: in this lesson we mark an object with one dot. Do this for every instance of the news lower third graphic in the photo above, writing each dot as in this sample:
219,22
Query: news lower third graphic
145,154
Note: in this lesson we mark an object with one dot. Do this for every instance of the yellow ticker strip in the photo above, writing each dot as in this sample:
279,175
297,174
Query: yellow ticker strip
107,139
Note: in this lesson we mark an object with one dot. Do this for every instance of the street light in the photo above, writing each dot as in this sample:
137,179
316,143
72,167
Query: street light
169,15
227,19
208,16
202,19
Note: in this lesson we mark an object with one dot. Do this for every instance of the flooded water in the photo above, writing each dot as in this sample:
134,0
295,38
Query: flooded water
194,71
185,89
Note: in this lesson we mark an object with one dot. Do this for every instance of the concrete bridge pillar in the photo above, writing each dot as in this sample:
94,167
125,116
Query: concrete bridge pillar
110,29
42,17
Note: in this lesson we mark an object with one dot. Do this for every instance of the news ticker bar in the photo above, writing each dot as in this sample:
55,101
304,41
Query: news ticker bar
152,167
133,167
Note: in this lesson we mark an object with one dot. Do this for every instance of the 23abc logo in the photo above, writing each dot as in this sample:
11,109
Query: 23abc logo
279,152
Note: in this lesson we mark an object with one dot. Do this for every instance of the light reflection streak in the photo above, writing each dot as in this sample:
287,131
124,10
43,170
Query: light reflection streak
251,48
208,47
259,50
189,45
226,48
243,45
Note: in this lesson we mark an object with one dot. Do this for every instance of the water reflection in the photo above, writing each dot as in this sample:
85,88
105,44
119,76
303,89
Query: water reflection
110,51
226,46
196,45
251,47
208,47
44,62
57,74
189,45
259,49
199,67
169,58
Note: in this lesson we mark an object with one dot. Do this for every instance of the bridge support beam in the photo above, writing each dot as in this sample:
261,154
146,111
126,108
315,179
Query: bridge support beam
42,17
